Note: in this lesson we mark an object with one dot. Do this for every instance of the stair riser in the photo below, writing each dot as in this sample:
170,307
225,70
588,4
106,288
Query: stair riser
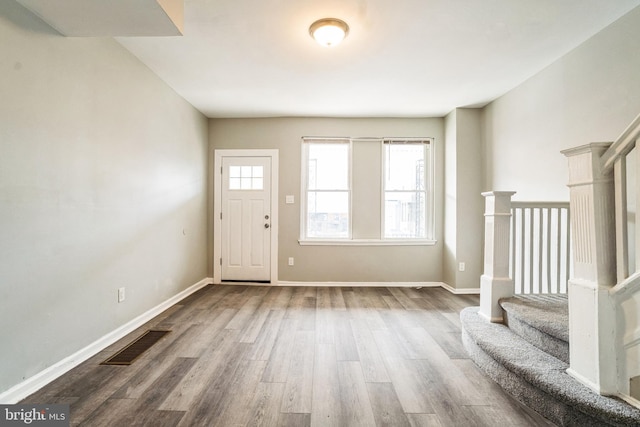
547,343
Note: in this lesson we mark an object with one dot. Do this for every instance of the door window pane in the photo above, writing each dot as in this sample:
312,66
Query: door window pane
246,178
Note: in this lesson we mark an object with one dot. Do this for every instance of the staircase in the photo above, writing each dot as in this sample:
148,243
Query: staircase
528,356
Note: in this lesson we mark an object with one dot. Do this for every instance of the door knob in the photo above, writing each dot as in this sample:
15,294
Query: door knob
266,226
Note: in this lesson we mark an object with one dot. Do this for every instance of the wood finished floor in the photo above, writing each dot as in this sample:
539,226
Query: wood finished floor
295,356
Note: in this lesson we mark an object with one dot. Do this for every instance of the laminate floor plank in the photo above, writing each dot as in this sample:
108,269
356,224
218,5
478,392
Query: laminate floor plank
403,299
148,373
411,292
208,368
107,414
326,402
264,409
241,393
326,326
323,298
245,314
210,297
356,406
208,405
146,412
280,356
357,302
431,318
241,355
283,299
299,384
370,359
450,343
387,409
236,298
302,306
346,348
254,326
445,404
266,339
424,420
294,420
90,391
267,304
337,299
392,302
372,298
412,391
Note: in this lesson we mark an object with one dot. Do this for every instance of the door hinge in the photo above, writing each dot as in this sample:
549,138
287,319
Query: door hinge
220,170
220,261
220,215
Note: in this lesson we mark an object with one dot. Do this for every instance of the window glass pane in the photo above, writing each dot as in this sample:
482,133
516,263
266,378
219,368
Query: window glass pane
256,184
404,166
328,214
234,183
328,166
245,171
234,171
404,215
257,171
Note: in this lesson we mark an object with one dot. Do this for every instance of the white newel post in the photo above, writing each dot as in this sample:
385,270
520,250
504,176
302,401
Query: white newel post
495,283
591,312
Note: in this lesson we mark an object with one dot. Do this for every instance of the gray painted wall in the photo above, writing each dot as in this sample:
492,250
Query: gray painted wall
589,95
102,185
464,205
337,263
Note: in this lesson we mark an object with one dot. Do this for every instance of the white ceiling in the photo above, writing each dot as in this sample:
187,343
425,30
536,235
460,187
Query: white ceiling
402,58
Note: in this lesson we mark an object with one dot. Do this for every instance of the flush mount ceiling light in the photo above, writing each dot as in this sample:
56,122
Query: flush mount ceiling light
329,31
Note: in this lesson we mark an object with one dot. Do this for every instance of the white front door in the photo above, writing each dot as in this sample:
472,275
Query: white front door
246,219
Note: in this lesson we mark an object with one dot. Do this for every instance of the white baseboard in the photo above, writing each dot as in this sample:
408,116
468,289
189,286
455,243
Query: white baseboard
42,378
630,400
461,291
363,284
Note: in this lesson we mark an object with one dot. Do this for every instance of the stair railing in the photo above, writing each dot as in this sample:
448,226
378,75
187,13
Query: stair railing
526,251
540,247
604,289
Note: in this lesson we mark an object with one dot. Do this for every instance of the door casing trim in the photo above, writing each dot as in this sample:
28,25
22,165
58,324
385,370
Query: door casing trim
219,154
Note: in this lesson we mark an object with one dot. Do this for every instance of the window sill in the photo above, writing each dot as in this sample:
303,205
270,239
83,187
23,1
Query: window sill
367,242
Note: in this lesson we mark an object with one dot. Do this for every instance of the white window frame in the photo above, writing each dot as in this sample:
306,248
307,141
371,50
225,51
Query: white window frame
304,239
429,210
382,241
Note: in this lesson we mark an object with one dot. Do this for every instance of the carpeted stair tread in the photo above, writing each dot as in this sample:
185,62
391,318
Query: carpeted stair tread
547,313
569,402
542,320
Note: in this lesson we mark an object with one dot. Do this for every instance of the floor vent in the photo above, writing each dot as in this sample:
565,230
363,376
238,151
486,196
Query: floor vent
131,352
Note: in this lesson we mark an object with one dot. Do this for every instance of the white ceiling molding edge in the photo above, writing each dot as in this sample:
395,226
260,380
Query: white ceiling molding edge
114,18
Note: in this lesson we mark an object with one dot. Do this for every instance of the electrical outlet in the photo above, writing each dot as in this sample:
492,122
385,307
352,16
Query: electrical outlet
461,266
120,294
290,260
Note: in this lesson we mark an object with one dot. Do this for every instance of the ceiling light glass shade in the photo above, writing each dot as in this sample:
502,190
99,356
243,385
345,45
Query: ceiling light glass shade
329,31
